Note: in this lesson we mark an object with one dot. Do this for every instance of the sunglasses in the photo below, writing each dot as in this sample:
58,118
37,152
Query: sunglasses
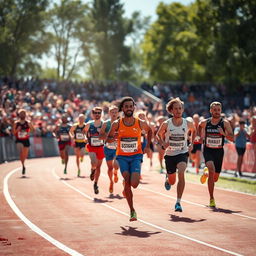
96,113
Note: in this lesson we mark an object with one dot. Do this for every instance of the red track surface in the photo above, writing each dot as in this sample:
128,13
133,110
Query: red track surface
69,212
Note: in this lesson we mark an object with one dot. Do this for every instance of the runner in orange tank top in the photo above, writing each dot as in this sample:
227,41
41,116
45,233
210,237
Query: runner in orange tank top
127,132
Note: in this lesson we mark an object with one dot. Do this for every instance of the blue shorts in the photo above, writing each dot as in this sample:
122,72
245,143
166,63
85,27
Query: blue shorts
130,163
110,154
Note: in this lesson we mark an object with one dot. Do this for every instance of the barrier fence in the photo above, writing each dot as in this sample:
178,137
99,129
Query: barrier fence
39,147
230,158
47,147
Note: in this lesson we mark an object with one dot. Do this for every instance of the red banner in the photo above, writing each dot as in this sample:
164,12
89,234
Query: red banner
36,147
230,158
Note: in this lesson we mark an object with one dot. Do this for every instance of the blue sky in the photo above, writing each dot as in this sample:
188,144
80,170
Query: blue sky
147,7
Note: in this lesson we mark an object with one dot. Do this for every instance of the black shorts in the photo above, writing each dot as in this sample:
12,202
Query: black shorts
215,155
80,145
196,147
240,151
171,162
25,143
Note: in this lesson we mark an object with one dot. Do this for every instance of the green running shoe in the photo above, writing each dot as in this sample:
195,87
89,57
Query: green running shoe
133,216
212,203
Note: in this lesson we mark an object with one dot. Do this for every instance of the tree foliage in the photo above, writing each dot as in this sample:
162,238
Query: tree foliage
22,36
211,40
111,29
65,19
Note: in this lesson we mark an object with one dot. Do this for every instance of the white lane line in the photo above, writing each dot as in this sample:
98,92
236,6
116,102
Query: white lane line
148,223
35,228
189,202
186,201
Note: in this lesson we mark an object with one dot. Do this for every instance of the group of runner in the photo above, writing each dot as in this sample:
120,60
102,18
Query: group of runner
120,141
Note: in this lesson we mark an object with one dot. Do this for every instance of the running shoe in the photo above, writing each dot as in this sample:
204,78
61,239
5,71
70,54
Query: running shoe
23,170
167,184
96,188
204,176
78,173
111,188
62,161
92,174
212,203
81,159
115,177
178,207
133,216
65,171
161,170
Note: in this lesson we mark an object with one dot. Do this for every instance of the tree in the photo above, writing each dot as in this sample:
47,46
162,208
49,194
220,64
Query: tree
111,29
22,36
227,30
170,45
64,23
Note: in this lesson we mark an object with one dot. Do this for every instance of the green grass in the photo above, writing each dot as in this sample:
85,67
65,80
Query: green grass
232,183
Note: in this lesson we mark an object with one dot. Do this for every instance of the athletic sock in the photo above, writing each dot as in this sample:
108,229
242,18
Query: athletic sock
178,200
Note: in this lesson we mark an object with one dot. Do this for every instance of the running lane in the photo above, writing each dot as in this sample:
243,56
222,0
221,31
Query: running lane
70,213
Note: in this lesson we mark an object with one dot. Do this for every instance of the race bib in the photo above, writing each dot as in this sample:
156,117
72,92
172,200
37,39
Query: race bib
174,145
79,136
64,137
129,145
213,142
22,134
95,141
111,145
177,142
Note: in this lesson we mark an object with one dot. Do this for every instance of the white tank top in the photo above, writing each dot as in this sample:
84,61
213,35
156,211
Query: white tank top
177,137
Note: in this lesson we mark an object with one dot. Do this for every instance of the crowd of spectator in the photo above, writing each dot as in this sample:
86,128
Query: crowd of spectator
197,97
46,100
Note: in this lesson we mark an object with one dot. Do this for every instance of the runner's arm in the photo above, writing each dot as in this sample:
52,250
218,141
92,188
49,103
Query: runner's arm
200,131
192,128
31,127
228,131
160,135
145,126
71,131
15,130
102,133
112,135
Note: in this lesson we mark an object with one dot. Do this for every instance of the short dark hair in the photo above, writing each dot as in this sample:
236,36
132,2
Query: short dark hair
124,99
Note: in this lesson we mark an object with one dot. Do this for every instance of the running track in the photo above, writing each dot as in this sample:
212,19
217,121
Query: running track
46,215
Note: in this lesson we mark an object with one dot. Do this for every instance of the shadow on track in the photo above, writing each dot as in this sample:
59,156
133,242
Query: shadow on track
66,179
23,177
100,201
132,231
176,218
117,196
224,210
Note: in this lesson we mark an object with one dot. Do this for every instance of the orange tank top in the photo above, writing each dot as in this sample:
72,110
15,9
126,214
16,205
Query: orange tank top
129,139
